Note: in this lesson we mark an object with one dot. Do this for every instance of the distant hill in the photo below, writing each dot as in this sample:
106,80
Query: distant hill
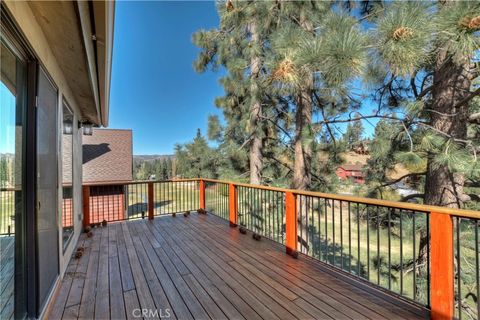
152,157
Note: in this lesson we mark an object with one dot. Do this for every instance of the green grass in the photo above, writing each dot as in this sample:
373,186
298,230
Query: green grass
169,197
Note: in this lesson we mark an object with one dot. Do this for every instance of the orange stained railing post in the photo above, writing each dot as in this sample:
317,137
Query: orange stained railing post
86,205
232,195
442,270
291,223
150,200
202,194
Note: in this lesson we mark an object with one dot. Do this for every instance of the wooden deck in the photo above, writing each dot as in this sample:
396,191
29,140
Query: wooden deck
7,267
198,267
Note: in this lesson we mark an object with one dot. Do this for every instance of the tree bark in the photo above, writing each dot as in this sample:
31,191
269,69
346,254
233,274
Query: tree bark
452,84
302,176
256,156
443,187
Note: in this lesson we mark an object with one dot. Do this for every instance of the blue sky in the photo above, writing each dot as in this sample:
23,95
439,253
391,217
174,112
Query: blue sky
155,90
7,120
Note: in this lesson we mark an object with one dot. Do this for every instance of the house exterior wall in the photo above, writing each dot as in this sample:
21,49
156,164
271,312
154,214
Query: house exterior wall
31,30
341,173
355,176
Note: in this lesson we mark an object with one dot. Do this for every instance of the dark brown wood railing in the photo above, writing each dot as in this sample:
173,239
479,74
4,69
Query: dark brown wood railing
406,249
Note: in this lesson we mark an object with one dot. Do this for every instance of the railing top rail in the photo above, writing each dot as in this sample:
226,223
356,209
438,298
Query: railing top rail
369,201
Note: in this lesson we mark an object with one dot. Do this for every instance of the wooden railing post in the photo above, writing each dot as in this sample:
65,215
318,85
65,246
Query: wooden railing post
86,205
291,223
442,297
232,195
150,200
202,195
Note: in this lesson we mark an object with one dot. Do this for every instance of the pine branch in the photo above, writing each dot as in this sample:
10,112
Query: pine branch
412,196
413,174
468,98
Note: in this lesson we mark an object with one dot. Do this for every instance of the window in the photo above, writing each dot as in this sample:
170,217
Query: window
68,132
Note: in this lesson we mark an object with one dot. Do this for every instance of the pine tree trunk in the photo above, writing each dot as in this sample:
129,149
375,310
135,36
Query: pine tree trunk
451,85
302,176
256,157
303,119
442,186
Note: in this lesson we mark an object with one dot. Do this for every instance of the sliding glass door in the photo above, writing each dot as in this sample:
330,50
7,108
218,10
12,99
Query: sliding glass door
12,213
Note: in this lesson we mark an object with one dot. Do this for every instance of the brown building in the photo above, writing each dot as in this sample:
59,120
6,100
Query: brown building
354,172
107,160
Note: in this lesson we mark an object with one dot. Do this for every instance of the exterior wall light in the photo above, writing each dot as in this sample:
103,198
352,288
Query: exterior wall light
67,126
87,128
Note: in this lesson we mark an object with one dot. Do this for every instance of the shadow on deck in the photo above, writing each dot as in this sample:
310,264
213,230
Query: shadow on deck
198,267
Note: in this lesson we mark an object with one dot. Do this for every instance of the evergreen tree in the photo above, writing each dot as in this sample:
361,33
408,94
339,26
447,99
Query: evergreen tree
353,134
4,178
196,159
237,45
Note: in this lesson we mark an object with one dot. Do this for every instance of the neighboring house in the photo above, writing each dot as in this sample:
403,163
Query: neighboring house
108,160
353,172
55,85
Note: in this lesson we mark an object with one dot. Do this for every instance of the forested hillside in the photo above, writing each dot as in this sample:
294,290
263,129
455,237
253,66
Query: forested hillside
157,167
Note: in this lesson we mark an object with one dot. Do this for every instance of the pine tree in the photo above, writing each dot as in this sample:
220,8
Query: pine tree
353,134
427,54
196,159
318,53
239,45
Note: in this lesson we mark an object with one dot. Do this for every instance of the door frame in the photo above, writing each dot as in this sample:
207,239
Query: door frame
14,35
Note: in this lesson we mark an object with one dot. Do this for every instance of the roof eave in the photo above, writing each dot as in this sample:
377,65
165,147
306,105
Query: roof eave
97,25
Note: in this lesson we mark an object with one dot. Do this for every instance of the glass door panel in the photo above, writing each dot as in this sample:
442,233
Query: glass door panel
12,244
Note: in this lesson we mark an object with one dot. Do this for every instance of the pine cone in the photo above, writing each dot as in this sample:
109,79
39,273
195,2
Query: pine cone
78,254
80,249
186,213
470,23
402,33
174,214
256,236
104,223
87,229
90,234
201,211
229,5
242,230
284,71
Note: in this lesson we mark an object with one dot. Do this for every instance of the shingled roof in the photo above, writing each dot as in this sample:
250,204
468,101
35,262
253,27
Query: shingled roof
352,167
107,156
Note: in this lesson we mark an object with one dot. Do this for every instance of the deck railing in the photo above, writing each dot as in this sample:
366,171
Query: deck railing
7,211
425,254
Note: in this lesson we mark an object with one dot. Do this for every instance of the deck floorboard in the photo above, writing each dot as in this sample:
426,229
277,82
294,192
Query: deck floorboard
200,268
